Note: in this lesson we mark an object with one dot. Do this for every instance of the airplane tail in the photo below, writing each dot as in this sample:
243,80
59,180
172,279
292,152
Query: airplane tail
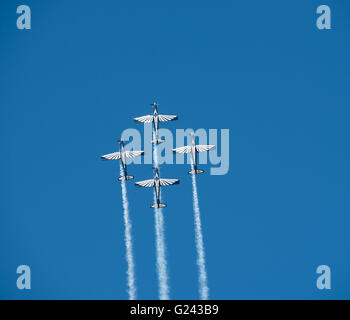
158,205
157,141
195,171
123,178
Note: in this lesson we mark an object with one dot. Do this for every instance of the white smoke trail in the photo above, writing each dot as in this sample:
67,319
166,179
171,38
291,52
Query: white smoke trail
203,282
128,242
160,243
161,255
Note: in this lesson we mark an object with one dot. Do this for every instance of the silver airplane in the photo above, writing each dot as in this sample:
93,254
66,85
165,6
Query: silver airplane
156,182
123,154
155,118
193,149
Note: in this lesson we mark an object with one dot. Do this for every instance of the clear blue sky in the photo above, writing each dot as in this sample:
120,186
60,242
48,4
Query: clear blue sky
68,88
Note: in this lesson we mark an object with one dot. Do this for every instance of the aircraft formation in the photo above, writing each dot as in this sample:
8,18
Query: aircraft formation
157,182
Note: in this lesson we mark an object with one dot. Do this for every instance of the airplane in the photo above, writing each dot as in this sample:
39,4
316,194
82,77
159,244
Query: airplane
123,154
193,149
156,182
155,118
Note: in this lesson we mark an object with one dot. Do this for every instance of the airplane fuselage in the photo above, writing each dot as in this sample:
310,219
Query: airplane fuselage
155,122
123,157
157,186
194,152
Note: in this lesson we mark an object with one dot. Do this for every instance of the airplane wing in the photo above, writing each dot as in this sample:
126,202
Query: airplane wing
164,117
144,119
145,183
202,147
111,156
168,182
133,154
186,149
